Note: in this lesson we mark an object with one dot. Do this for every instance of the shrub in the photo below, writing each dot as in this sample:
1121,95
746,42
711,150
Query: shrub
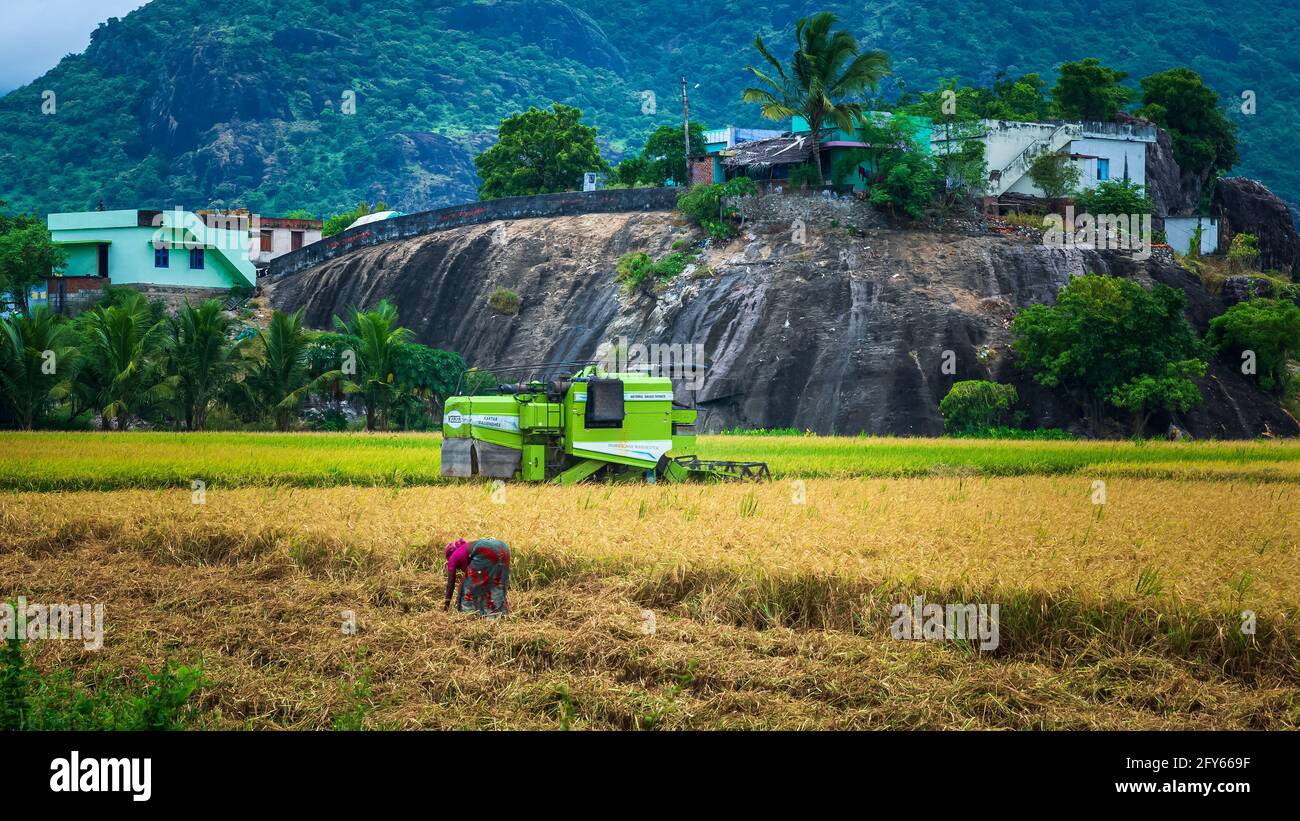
976,404
704,204
1270,328
1114,197
633,268
637,267
30,701
328,419
1055,173
504,301
1034,221
804,176
907,184
1243,253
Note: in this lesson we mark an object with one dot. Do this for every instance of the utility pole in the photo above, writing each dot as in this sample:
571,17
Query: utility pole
686,130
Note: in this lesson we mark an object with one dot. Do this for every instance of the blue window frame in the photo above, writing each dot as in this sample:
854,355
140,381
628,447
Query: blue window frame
161,258
1103,170
196,259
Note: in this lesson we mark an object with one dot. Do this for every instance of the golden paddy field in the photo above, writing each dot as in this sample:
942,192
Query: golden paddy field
770,603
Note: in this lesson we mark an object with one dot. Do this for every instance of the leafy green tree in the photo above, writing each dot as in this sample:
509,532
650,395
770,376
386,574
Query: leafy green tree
1171,391
425,378
974,405
955,111
122,352
327,353
632,171
1056,174
950,101
664,154
961,167
1205,140
826,70
901,176
1267,328
1088,90
36,350
203,359
1021,98
376,339
1114,197
539,152
27,256
279,379
908,182
1103,336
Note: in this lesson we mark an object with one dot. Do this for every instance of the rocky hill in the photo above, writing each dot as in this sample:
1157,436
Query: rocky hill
844,332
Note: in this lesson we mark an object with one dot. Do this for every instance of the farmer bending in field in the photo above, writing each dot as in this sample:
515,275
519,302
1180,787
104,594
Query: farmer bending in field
485,564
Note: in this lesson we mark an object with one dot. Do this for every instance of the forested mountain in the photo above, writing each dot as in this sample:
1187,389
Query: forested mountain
244,102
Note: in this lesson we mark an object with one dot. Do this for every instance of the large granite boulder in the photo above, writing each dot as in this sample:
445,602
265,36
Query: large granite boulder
1246,206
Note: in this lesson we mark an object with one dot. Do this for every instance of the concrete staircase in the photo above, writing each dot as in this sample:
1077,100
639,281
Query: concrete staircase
1060,137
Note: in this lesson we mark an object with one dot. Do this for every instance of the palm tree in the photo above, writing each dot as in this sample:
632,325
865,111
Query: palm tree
281,378
36,354
825,69
203,358
121,348
377,338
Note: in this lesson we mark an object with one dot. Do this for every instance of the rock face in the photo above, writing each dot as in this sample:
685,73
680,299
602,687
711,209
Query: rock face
1246,206
1172,191
213,83
842,333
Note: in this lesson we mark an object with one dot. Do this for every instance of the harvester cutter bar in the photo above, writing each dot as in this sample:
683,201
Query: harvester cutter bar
725,470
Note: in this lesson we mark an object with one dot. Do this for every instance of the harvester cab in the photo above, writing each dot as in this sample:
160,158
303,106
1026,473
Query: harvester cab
583,423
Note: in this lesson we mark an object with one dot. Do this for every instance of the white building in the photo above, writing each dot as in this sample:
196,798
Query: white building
1180,231
280,235
1102,151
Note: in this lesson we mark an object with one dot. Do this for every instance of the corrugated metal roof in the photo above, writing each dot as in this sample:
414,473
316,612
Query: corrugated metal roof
773,151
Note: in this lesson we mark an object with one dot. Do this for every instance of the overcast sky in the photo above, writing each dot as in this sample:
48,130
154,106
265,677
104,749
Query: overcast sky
36,34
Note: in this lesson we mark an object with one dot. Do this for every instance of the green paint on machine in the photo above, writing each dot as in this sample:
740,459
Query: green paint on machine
622,426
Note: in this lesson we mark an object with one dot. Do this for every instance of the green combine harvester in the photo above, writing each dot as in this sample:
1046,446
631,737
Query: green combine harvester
584,424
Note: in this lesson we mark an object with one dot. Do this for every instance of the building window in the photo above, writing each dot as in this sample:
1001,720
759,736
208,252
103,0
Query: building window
296,240
268,240
161,258
102,260
1103,170
196,259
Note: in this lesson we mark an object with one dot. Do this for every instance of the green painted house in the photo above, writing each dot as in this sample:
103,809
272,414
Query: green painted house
175,248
